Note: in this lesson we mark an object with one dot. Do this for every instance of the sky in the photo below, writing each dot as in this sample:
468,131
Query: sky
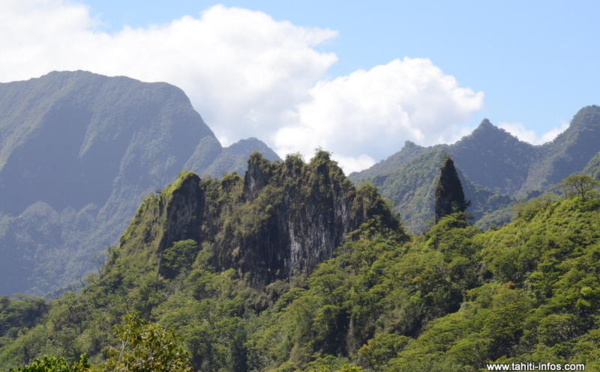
355,78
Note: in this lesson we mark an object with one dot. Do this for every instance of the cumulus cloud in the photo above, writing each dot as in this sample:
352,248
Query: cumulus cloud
527,135
242,69
248,75
369,114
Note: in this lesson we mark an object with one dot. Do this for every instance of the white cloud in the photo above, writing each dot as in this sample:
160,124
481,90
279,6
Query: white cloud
242,69
527,135
519,131
248,75
553,133
371,113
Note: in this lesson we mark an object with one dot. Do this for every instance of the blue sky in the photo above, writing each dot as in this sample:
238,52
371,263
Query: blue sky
537,61
529,66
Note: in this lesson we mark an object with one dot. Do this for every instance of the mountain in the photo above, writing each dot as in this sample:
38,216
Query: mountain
78,151
592,169
493,158
271,227
281,219
408,153
495,168
411,189
569,153
293,268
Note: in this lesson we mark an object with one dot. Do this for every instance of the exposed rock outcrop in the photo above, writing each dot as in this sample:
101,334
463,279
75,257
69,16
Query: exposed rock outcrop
281,219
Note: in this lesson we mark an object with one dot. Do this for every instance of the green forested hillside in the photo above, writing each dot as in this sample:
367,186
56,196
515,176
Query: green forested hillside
78,152
496,169
593,167
201,259
411,190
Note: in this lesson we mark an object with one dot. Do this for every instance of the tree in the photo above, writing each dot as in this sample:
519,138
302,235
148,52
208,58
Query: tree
579,184
178,257
53,364
449,195
147,347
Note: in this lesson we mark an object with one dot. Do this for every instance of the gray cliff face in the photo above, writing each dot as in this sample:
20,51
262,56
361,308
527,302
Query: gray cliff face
309,211
89,147
321,222
183,212
280,220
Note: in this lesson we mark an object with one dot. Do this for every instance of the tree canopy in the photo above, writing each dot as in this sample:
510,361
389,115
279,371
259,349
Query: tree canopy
580,185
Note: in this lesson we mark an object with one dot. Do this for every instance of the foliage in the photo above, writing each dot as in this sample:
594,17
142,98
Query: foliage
146,347
495,168
592,169
53,364
454,298
178,257
18,314
114,140
580,185
411,188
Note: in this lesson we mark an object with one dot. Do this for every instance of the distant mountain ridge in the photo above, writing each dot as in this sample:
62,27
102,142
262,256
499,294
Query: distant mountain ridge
77,153
496,168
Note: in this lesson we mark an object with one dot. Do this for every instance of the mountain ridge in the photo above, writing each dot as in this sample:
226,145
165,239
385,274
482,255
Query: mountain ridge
489,159
209,259
90,147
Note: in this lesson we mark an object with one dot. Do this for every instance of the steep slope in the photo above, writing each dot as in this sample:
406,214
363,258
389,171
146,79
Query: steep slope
253,235
592,169
493,158
569,153
452,299
235,157
77,152
411,189
280,219
76,133
408,153
495,168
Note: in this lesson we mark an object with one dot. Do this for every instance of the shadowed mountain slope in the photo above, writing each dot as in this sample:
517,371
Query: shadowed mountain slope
78,151
495,168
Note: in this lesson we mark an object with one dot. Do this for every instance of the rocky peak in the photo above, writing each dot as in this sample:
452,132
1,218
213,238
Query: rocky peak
486,124
257,175
409,145
588,116
97,145
185,201
493,158
281,219
488,132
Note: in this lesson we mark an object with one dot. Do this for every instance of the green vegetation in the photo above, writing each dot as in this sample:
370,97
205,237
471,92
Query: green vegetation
144,347
592,169
451,299
82,153
581,185
411,188
53,364
495,168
